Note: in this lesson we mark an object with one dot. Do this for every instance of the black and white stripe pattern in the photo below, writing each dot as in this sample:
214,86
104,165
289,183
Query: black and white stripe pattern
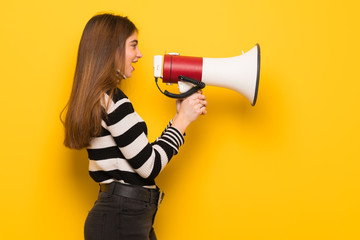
123,153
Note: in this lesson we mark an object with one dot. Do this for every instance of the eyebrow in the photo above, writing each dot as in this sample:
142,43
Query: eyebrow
134,41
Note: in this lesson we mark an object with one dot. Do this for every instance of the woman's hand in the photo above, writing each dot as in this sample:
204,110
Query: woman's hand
189,110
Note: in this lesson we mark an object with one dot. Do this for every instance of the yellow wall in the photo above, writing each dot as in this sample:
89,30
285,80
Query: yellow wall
287,168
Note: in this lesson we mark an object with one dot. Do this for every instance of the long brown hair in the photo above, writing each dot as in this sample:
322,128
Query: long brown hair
103,40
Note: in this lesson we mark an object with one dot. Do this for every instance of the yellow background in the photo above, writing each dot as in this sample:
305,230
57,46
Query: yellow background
287,168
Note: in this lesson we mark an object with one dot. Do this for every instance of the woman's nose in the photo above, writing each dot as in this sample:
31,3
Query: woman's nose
139,55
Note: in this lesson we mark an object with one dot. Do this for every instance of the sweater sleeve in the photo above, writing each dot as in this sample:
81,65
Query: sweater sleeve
130,134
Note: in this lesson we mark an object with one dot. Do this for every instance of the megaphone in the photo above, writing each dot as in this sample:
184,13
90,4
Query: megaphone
239,73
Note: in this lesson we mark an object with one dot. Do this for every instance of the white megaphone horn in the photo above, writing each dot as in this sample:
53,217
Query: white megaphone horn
240,73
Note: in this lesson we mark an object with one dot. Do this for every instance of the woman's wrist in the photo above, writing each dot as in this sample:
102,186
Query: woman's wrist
180,123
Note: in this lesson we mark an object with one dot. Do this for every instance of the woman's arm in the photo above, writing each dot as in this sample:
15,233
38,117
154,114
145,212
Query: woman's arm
130,135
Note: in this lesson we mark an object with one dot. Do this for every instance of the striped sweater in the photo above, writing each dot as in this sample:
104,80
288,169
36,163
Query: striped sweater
123,153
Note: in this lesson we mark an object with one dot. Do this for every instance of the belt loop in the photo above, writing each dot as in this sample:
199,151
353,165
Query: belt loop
112,187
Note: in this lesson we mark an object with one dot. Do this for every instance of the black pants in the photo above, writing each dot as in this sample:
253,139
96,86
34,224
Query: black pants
116,217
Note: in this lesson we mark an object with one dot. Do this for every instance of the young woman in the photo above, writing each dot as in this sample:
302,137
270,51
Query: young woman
102,119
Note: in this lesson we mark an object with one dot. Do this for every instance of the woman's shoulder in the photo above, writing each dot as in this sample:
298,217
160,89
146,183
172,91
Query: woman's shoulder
118,95
117,100
114,98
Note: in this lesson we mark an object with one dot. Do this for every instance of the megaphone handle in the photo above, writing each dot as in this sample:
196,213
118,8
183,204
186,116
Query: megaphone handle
199,85
182,95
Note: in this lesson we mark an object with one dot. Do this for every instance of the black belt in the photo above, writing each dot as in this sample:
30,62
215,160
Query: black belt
135,192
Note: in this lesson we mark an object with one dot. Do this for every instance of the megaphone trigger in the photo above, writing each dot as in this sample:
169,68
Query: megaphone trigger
201,85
